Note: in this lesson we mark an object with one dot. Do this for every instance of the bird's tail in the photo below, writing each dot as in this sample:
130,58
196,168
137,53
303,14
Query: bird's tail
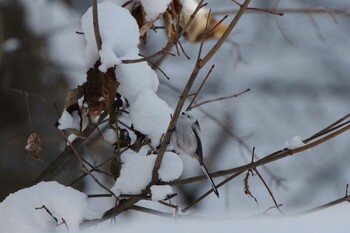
205,170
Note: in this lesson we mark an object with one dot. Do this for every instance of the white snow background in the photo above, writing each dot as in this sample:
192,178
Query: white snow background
272,113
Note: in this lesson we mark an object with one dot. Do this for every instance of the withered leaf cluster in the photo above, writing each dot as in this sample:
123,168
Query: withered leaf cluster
175,19
99,90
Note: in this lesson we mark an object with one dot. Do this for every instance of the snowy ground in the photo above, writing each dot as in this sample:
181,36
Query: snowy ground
21,212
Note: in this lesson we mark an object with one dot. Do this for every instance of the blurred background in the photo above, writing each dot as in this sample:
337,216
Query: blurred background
296,66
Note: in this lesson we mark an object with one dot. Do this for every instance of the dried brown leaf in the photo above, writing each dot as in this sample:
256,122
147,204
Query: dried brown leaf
174,21
197,28
33,146
114,167
73,96
99,90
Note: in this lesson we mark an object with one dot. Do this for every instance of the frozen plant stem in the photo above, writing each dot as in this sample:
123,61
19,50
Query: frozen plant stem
96,25
199,64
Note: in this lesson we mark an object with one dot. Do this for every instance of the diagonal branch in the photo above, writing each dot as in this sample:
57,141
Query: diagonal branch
327,205
186,90
267,159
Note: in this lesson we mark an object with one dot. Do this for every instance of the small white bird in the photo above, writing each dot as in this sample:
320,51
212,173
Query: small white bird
185,138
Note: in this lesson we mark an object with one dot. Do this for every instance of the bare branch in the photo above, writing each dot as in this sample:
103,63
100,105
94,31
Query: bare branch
85,168
54,218
151,211
200,88
259,9
195,202
207,32
186,90
324,206
269,190
267,159
283,11
219,99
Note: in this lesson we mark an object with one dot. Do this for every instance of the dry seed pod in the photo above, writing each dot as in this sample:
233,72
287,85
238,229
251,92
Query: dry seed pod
33,146
115,167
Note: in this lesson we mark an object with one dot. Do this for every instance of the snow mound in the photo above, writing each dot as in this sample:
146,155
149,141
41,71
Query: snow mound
136,172
18,211
119,33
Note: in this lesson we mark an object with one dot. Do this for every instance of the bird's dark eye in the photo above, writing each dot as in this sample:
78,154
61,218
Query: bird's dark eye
188,117
182,113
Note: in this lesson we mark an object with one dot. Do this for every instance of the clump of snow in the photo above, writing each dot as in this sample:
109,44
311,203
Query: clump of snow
134,78
189,6
150,115
160,192
136,172
171,167
154,8
119,32
293,143
68,121
18,213
108,57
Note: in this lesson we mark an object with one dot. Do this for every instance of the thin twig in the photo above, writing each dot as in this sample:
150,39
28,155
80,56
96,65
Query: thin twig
154,66
269,190
195,202
284,33
123,205
59,160
28,111
200,88
85,168
224,36
54,218
283,11
219,99
183,50
207,32
322,207
317,28
151,211
273,12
